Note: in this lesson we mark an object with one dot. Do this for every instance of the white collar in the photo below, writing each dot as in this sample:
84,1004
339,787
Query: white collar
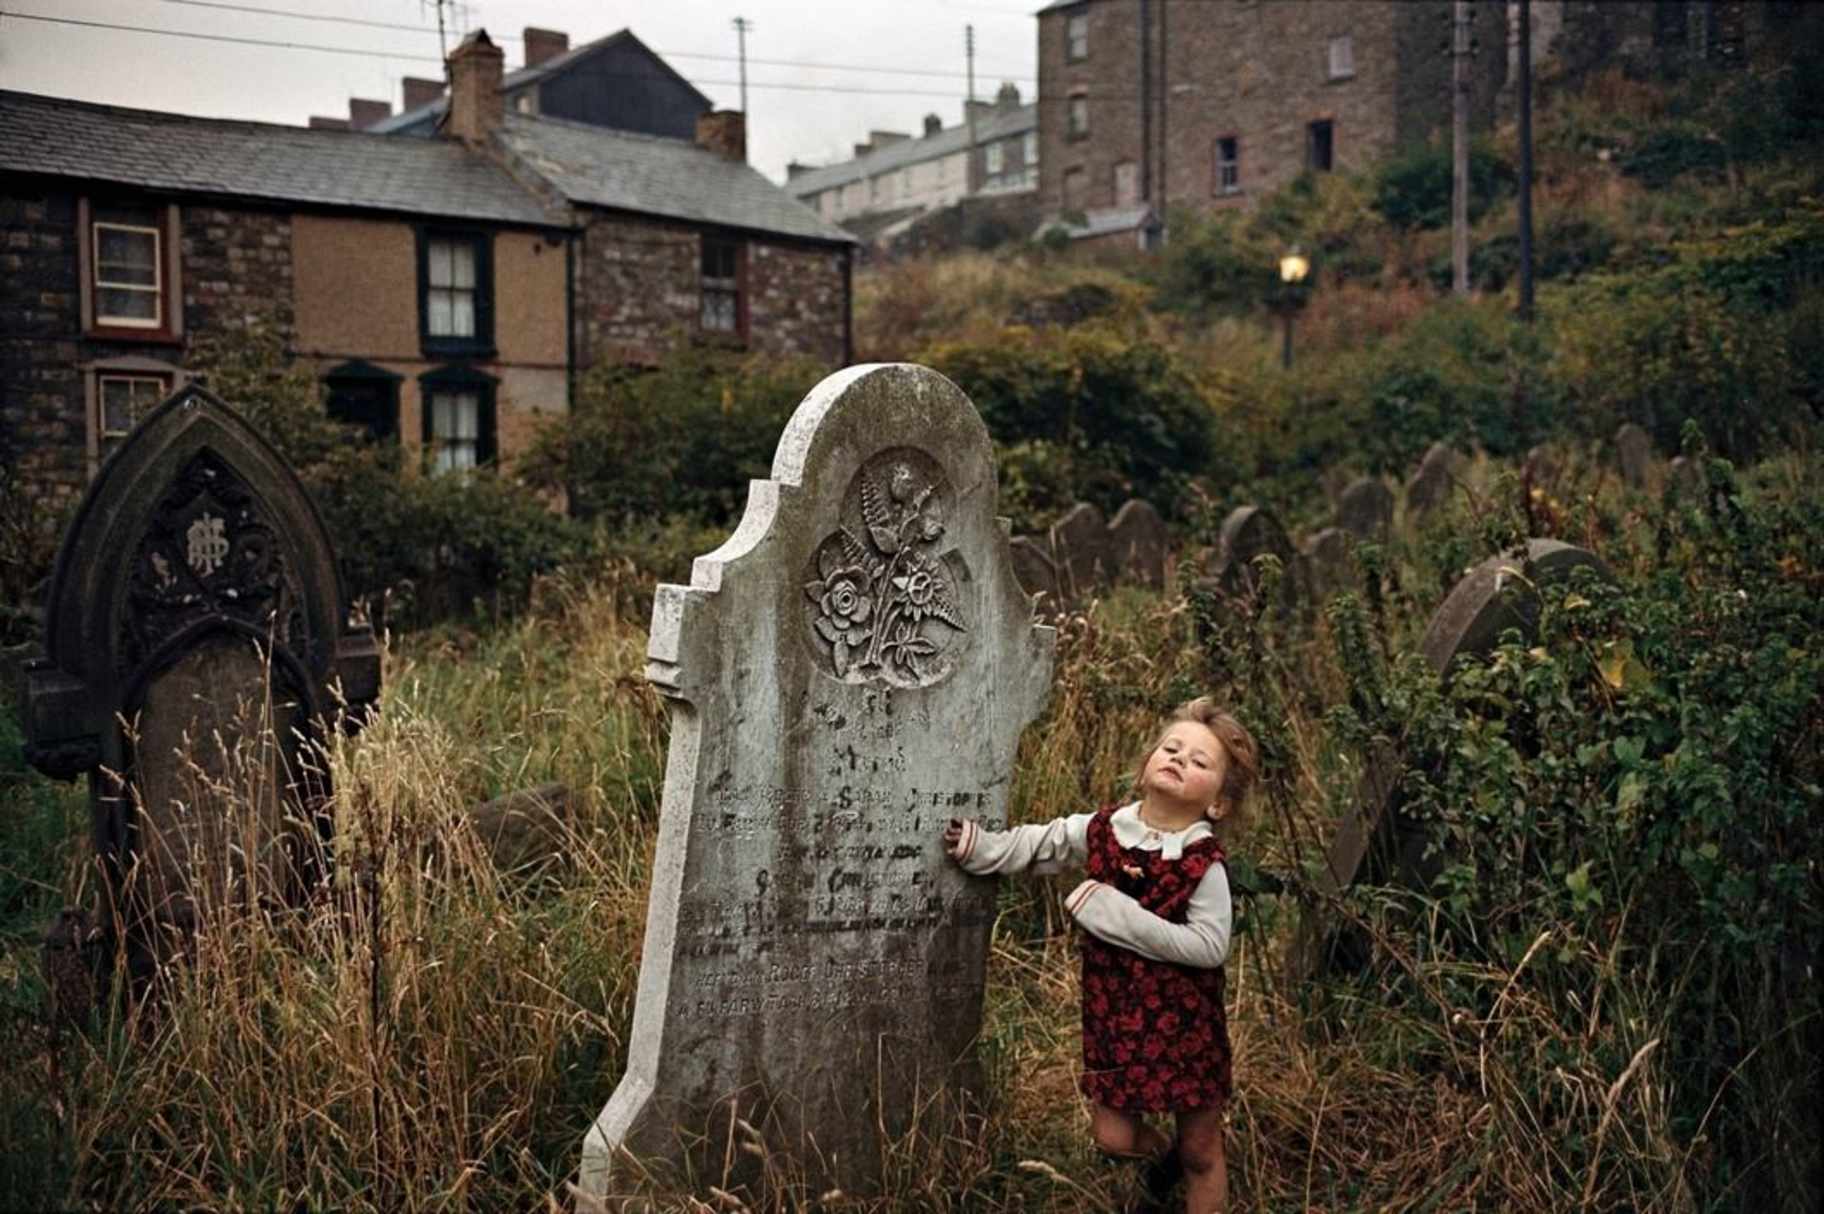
1130,831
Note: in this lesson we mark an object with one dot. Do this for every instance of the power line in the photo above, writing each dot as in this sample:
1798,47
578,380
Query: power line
345,50
425,29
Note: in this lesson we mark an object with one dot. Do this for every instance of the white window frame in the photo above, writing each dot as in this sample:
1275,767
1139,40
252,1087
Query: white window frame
171,376
445,446
157,289
1341,58
1029,149
994,158
1077,104
1076,37
452,289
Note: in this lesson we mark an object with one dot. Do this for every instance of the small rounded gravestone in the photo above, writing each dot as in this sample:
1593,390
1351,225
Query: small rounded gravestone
1249,532
1330,562
1365,509
1634,452
1685,478
1139,543
1437,474
1081,551
1037,576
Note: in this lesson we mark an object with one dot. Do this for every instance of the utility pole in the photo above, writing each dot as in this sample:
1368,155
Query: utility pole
969,111
1459,147
1526,161
742,25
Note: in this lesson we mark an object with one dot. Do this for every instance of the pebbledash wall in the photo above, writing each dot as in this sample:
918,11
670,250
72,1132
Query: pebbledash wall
224,265
639,290
1158,85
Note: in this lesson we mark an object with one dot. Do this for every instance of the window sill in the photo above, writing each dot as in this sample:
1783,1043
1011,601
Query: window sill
145,337
1343,79
471,350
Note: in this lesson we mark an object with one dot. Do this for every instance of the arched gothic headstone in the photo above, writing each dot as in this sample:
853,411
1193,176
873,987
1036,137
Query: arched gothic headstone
1139,544
850,669
1082,552
195,646
1365,509
1434,480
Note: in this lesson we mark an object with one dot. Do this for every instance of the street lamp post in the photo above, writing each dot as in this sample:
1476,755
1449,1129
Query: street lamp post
1292,270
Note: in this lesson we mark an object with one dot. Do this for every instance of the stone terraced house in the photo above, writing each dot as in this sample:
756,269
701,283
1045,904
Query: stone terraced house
444,290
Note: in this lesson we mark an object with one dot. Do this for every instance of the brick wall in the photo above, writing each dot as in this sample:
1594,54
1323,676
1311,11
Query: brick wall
235,264
796,301
1256,71
237,267
639,293
41,402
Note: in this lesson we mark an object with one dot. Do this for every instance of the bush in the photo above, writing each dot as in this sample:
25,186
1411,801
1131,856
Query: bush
1094,411
1412,191
681,439
420,547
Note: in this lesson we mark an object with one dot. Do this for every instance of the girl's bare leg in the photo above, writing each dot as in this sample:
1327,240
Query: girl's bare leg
1125,1135
1206,1170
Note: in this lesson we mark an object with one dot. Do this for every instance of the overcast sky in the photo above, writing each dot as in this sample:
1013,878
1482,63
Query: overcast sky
882,64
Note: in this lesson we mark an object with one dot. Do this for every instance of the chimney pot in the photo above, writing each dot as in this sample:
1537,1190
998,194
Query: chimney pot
476,107
420,92
724,132
1008,98
933,124
363,113
544,44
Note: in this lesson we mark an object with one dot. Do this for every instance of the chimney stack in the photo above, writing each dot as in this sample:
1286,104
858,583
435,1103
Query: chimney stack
475,101
933,124
363,113
724,132
544,44
420,92
793,169
1008,98
319,123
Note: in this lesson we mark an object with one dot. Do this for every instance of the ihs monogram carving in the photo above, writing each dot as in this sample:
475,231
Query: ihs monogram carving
883,601
209,552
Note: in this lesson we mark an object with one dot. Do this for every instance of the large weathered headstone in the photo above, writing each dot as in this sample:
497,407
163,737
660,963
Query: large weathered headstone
1375,842
195,598
1139,543
850,669
1036,574
1437,475
1081,550
1634,453
1365,509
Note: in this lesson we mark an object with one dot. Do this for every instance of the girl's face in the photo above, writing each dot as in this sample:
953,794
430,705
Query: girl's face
1187,767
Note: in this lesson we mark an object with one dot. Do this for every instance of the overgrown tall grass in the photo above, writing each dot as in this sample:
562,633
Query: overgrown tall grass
440,1033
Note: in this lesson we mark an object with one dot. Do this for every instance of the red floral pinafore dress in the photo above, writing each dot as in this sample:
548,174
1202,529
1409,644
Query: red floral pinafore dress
1155,1038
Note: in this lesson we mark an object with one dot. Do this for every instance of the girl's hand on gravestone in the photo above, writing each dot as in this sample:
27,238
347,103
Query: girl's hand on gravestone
958,833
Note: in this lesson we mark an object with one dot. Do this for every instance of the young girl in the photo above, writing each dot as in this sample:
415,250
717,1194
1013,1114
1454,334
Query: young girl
1155,913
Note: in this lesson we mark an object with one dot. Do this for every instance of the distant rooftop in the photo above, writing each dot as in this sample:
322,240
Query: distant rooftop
990,125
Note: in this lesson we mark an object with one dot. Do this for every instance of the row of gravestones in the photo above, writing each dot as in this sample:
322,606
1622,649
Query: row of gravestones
1081,554
1442,468
813,968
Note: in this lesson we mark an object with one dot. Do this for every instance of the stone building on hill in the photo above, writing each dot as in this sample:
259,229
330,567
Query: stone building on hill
1148,104
444,290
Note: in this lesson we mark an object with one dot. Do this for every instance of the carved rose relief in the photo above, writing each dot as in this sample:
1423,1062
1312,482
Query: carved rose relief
883,603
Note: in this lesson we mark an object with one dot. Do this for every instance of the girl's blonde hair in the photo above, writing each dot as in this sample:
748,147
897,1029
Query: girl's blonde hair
1242,751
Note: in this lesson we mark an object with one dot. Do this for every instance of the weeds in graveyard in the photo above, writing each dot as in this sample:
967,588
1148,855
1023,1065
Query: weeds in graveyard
440,1033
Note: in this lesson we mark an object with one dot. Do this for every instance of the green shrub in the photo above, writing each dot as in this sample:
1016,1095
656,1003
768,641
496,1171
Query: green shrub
680,439
1106,412
1412,191
419,547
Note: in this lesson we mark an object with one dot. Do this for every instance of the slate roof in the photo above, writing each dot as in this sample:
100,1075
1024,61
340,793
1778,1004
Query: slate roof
997,124
256,160
1101,222
625,171
522,78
